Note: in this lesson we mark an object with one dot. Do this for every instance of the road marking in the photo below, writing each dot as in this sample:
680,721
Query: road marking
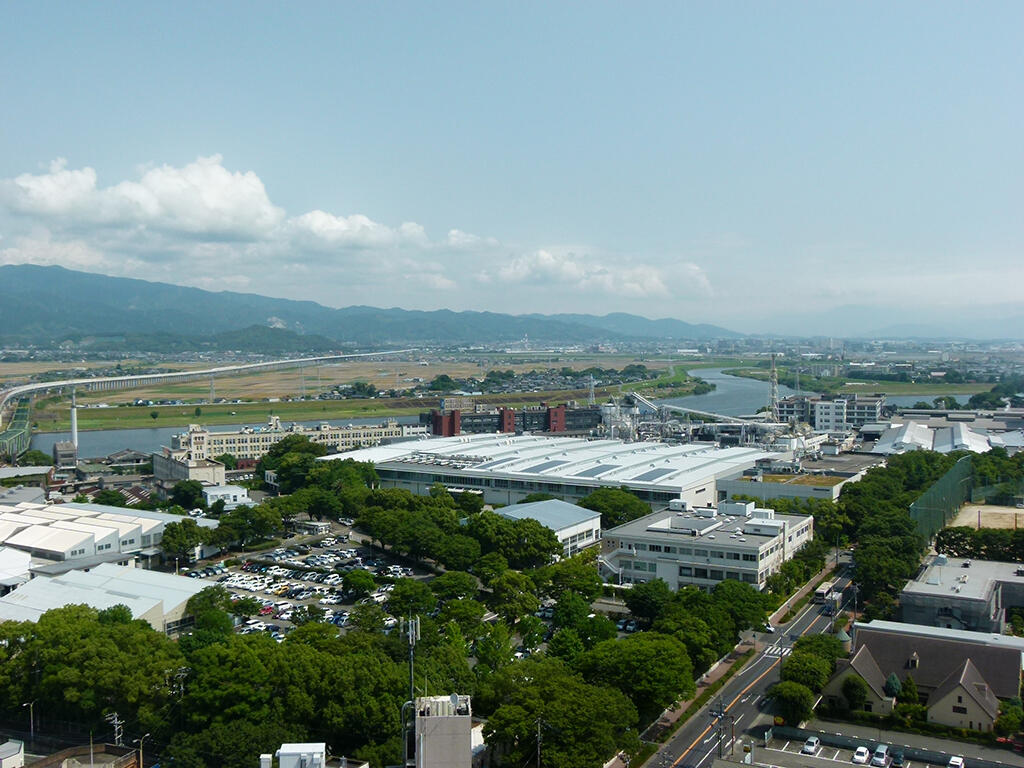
780,652
835,755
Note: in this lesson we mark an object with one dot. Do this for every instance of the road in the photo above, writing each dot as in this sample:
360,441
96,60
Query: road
695,744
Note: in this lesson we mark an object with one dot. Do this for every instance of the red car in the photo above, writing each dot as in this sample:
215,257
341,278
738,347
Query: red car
266,610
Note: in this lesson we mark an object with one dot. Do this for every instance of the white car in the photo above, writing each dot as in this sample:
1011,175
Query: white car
956,762
862,755
811,746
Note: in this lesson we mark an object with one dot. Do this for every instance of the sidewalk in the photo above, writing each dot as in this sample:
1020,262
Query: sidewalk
899,739
830,566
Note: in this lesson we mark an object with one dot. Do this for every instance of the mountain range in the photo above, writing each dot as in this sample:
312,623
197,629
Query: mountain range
53,304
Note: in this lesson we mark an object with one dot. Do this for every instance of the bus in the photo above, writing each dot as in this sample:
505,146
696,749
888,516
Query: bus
825,592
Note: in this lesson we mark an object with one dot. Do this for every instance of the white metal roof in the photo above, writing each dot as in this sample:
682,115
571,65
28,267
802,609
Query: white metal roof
568,459
43,537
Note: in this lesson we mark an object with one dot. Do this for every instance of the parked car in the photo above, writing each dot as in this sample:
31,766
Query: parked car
955,762
861,755
880,758
811,746
898,760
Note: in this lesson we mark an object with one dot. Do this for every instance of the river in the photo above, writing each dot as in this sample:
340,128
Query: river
732,396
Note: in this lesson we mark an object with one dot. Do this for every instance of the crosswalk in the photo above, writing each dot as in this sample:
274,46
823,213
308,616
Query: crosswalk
776,650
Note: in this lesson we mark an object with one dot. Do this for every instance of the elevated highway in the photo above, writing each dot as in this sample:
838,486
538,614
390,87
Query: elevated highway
178,377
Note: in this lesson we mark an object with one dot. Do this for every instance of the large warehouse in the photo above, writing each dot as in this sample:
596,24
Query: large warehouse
68,532
506,468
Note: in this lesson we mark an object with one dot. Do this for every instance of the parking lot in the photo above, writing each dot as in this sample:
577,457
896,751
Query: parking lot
828,755
309,573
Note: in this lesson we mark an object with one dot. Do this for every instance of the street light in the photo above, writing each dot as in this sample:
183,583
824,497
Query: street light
140,742
31,719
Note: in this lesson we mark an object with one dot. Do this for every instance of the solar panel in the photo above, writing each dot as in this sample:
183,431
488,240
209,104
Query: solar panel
654,474
595,471
544,465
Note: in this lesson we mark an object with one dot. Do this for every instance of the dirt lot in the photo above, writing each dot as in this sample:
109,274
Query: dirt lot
990,516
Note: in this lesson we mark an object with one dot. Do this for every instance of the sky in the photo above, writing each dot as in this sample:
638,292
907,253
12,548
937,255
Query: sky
768,167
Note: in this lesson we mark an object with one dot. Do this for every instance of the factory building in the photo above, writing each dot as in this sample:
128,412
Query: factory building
705,545
831,413
507,468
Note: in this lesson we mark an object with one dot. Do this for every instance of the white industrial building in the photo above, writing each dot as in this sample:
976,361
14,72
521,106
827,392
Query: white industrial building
704,546
913,436
158,598
576,527
506,468
73,531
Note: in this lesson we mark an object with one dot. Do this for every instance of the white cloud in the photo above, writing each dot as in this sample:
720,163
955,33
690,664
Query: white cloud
207,226
203,197
632,281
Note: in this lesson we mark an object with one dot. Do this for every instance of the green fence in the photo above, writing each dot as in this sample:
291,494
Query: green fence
1009,492
939,504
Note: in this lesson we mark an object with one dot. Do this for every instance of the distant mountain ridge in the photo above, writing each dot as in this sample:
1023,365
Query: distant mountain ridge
47,304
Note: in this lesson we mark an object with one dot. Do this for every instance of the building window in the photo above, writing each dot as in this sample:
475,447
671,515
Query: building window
700,573
960,710
685,570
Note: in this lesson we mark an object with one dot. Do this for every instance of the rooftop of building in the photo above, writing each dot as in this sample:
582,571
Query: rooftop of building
988,639
103,586
725,525
553,513
568,459
801,479
964,579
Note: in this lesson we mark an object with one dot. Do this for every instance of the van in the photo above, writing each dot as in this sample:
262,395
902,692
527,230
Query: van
880,759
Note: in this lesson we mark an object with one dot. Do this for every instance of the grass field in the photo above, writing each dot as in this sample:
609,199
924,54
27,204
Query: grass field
926,391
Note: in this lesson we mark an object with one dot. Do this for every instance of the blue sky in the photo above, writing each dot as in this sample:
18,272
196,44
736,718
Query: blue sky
754,165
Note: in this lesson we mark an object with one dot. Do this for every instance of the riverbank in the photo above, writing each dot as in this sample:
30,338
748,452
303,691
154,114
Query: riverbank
841,385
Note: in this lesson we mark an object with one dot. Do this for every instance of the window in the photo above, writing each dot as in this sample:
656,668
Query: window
960,710
685,570
750,558
716,574
732,555
959,699
654,548
718,555
700,573
700,552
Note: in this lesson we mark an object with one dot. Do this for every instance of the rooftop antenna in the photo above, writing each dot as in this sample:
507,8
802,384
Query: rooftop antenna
591,398
410,628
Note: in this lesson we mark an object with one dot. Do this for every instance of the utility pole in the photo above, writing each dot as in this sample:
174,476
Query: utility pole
31,719
118,724
538,740
410,628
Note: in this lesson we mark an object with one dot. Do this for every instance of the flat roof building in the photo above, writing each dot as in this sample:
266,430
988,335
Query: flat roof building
956,593
576,527
507,468
704,546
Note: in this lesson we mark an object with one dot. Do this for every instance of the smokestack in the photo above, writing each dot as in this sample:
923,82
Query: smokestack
74,421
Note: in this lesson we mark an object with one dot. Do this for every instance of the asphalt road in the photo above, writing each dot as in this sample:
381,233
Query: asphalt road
696,743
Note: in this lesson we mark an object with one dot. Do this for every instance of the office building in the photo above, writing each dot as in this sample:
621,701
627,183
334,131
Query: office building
704,545
559,419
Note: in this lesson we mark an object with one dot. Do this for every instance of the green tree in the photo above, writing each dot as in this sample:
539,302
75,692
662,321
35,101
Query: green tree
452,585
909,693
307,614
648,600
570,612
1011,718
443,383
110,497
652,669
616,506
807,669
198,411
490,566
359,582
228,460
744,604
34,458
855,691
795,702
512,596
531,631
577,574
495,647
827,647
180,539
115,614
188,494
466,613
893,686
458,552
154,414
566,645
410,597
582,724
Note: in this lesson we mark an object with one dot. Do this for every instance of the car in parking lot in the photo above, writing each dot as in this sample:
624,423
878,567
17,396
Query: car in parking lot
621,624
880,757
631,625
861,755
811,746
898,759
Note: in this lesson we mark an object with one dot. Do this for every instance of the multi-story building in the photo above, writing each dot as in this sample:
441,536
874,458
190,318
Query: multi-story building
704,545
253,442
832,413
559,419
